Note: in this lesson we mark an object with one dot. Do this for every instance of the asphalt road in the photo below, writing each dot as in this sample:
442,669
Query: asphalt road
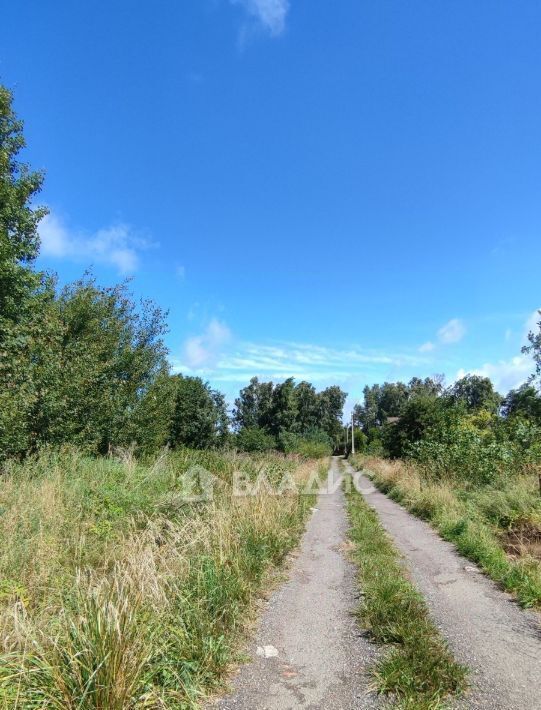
485,628
321,658
308,651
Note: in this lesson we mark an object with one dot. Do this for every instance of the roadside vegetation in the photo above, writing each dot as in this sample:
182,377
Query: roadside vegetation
496,525
419,670
87,366
467,460
118,590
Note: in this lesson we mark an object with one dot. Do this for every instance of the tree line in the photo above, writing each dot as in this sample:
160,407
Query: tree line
87,365
288,416
467,429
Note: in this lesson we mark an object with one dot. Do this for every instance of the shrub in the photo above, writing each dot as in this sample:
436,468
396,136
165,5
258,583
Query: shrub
254,439
313,444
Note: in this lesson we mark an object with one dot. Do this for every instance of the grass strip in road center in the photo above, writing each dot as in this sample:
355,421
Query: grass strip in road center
418,670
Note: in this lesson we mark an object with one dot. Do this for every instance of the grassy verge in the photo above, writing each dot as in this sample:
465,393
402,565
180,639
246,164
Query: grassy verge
419,670
497,526
116,592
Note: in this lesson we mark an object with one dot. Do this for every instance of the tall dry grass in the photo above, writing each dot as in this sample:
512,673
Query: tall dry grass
115,593
478,519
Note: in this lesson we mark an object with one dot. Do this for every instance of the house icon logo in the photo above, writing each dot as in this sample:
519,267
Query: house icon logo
197,485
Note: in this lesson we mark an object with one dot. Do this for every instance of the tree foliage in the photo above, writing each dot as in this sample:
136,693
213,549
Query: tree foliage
389,400
288,409
524,402
534,349
476,393
19,219
199,416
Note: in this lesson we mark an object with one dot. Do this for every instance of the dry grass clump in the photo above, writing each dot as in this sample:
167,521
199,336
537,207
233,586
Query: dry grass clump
487,522
115,593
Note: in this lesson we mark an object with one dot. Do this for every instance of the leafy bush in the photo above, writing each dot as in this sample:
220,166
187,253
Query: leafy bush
464,452
314,444
254,439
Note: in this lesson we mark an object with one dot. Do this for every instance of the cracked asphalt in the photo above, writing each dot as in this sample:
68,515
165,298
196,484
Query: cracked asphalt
308,651
485,628
321,656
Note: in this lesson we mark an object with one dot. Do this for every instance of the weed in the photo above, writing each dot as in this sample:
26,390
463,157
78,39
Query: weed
419,670
483,521
119,594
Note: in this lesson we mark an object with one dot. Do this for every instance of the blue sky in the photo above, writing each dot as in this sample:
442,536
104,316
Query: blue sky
347,192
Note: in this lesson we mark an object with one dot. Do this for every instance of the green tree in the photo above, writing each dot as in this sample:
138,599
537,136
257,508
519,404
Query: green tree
307,407
431,386
253,406
423,415
284,408
523,402
19,219
534,348
106,353
151,421
476,393
366,415
394,396
331,407
24,293
199,414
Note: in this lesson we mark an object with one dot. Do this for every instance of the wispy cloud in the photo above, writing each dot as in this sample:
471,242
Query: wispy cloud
202,351
116,245
509,374
452,332
216,355
305,357
268,14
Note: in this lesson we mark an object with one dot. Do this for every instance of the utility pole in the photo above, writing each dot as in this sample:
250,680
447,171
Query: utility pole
352,436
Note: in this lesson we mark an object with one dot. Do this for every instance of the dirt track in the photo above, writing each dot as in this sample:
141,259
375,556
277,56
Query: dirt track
309,653
322,659
486,629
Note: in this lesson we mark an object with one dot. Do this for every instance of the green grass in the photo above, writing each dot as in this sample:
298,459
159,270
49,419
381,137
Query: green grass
115,593
418,671
478,520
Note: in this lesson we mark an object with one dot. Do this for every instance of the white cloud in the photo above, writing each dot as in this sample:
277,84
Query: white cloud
509,374
180,271
305,358
452,332
270,14
115,245
214,354
202,351
505,374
